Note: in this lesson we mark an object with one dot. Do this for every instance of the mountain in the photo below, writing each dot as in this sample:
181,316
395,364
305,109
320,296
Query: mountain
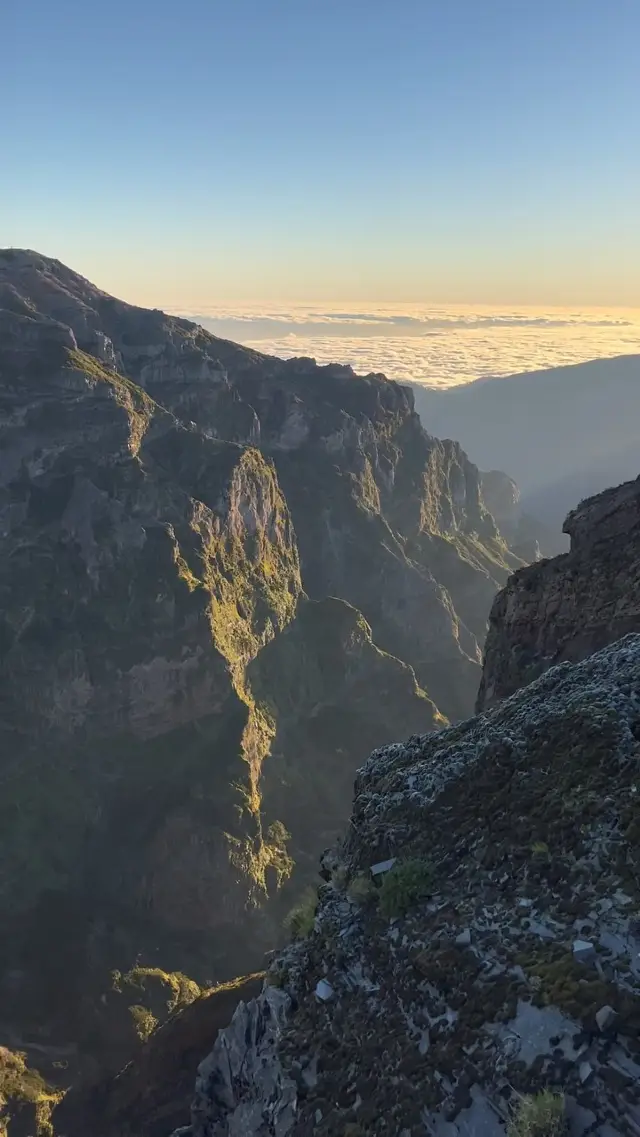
471,963
224,578
569,607
555,500
563,434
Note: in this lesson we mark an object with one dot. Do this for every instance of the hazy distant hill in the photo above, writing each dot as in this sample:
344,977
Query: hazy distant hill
562,434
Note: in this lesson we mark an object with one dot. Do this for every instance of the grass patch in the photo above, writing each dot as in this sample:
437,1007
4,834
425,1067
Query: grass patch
541,1115
404,885
301,919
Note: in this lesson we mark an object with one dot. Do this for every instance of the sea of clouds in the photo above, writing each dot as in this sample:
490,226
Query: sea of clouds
438,346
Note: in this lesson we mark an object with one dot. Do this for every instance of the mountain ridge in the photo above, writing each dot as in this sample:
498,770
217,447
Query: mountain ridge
189,528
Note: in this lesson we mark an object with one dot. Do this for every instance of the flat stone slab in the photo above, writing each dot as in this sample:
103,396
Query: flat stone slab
383,867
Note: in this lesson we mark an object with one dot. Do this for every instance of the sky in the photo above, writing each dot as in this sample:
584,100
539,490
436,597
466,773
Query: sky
184,155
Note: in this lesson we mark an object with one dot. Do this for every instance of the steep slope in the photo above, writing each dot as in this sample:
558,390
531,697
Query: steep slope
568,607
497,956
187,530
152,1095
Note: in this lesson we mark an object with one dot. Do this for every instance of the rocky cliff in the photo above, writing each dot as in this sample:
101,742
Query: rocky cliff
568,607
474,958
223,579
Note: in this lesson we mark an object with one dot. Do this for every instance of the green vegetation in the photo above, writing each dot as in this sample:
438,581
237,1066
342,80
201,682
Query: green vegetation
144,1022
541,1115
361,888
138,405
301,918
405,885
19,1084
181,990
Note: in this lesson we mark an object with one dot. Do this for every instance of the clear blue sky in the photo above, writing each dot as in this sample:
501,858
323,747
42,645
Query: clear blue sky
275,150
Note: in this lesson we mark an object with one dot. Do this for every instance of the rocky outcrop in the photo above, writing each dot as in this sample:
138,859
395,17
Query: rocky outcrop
519,528
568,607
477,940
152,1095
223,579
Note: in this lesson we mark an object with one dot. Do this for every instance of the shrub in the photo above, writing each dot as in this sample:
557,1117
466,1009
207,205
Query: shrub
361,889
180,989
19,1083
143,1021
405,885
541,1115
17,1080
301,918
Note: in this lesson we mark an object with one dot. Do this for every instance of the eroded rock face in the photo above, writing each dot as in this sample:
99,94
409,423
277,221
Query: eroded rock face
568,607
512,963
189,532
153,1094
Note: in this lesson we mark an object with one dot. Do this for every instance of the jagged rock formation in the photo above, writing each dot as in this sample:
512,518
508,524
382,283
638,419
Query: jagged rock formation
568,607
223,578
500,955
153,1093
502,498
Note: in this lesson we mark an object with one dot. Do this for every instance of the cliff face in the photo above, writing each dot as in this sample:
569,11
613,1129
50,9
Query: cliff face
223,578
477,939
568,607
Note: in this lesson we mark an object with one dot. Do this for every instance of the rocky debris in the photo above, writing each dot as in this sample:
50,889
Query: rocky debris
324,990
583,951
383,867
242,1078
568,607
605,1018
443,1017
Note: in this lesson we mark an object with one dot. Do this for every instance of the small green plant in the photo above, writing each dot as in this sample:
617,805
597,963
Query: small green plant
406,884
361,889
300,920
277,976
540,1115
540,849
143,1021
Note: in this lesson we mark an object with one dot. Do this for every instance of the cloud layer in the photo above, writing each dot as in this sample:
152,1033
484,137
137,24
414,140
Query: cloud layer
433,345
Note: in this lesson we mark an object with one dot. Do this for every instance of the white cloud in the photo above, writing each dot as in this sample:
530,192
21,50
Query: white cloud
434,345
